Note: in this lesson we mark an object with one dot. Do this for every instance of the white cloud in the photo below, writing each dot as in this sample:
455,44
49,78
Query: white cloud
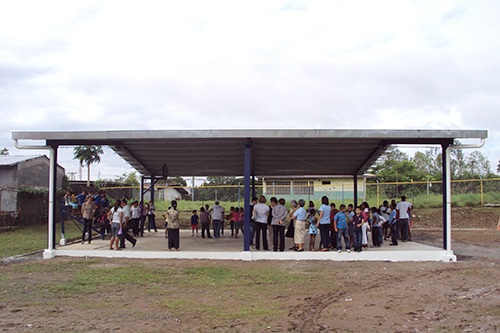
99,65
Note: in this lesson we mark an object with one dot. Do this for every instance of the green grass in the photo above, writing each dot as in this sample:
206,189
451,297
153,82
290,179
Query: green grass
423,201
33,238
222,293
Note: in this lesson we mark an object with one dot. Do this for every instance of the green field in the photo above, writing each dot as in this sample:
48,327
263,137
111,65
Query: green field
33,238
421,201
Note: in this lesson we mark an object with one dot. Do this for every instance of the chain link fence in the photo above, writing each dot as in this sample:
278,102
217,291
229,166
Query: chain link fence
469,192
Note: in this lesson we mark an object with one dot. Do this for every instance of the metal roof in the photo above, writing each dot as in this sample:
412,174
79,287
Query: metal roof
11,160
275,152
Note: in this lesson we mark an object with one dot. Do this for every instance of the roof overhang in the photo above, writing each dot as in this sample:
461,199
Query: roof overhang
275,152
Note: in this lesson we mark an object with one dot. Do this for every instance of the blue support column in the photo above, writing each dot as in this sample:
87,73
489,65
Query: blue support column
355,181
152,198
248,213
141,189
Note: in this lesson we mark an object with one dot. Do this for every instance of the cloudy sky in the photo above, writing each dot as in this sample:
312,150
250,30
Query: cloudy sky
106,65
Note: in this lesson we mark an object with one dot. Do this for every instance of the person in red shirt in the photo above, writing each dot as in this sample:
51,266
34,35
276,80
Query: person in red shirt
235,222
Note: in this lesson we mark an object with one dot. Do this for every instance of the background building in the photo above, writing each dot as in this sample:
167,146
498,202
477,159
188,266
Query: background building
339,189
24,182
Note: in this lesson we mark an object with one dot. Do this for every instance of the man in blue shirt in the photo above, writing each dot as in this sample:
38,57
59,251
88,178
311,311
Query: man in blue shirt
81,198
340,224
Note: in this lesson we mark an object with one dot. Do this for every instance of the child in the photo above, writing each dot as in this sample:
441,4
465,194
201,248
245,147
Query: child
350,214
230,218
333,233
376,227
357,223
242,221
105,226
385,212
166,224
236,222
313,229
340,224
365,211
194,223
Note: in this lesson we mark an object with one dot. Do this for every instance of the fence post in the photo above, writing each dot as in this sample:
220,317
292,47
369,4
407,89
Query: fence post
482,198
378,194
428,185
412,193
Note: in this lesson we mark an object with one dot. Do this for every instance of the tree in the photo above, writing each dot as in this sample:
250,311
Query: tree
395,166
128,179
429,163
479,165
4,151
88,155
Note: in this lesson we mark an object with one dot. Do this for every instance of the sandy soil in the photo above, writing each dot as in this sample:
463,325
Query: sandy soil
331,297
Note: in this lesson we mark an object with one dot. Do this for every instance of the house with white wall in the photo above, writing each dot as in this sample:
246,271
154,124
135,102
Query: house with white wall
339,189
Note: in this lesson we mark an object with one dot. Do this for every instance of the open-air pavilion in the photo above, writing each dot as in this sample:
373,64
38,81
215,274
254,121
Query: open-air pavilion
254,153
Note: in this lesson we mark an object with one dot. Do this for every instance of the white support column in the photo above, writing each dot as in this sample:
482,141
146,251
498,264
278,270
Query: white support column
448,253
49,252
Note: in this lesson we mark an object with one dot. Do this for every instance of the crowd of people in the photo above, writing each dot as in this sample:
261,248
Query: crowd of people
274,222
268,224
116,221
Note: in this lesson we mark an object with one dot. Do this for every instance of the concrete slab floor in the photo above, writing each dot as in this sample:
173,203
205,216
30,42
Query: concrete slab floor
156,241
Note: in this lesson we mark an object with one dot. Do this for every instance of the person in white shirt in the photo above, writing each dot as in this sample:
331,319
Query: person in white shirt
136,217
115,215
385,212
217,212
261,213
126,225
403,209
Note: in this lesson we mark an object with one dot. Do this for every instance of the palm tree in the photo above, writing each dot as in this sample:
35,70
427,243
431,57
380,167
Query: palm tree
87,155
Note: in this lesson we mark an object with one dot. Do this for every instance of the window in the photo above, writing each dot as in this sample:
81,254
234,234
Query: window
278,188
326,182
303,187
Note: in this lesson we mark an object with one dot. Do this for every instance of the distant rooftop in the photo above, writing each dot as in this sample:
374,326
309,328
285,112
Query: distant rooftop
11,160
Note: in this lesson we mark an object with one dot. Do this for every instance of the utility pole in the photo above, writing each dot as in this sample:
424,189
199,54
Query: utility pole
428,185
